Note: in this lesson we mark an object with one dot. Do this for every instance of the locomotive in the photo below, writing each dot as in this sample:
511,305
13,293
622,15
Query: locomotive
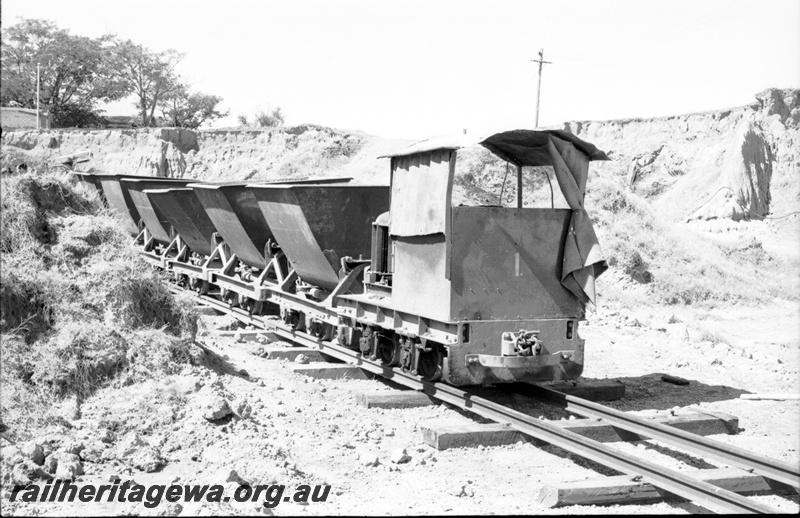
465,295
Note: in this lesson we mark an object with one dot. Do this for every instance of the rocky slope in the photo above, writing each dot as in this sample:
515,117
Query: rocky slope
736,163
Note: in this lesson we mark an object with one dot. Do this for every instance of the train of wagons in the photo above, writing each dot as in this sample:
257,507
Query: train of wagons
461,294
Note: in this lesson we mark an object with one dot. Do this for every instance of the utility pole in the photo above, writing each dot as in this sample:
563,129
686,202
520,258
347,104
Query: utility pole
38,124
541,62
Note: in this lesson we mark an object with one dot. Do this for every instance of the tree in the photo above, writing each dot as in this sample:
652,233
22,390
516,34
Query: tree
185,110
149,76
274,118
75,71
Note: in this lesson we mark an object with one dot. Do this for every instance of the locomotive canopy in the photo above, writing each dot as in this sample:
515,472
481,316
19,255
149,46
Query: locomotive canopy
461,294
422,175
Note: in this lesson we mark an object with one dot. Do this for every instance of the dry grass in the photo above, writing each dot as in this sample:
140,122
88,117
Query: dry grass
77,306
676,264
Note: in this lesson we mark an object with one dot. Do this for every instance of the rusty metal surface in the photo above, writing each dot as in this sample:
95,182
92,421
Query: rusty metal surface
187,216
317,225
151,216
506,264
235,213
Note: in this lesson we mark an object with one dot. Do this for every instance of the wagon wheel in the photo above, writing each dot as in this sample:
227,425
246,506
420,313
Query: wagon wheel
296,320
321,330
348,337
196,284
389,350
247,304
431,362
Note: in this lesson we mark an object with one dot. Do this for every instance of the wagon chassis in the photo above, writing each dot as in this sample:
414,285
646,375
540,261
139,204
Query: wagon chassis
417,343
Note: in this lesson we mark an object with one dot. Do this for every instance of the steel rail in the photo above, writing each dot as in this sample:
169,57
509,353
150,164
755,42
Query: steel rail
700,492
760,464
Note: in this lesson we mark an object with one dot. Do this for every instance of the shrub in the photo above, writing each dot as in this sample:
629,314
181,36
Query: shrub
269,120
78,306
145,302
26,307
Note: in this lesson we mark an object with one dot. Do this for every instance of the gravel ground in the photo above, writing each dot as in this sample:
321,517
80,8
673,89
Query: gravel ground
279,427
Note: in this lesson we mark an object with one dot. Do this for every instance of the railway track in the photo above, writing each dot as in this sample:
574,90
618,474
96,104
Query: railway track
700,492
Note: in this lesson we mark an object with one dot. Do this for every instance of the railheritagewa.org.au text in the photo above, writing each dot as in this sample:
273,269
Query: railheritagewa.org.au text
153,495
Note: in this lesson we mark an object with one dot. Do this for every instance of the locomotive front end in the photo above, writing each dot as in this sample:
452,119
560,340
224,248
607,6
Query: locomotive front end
477,294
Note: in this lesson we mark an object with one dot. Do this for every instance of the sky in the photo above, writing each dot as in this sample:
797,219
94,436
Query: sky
414,69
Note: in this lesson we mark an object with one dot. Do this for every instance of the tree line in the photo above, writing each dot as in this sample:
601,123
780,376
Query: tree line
78,73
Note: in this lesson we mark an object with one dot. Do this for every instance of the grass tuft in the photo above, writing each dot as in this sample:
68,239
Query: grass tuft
77,306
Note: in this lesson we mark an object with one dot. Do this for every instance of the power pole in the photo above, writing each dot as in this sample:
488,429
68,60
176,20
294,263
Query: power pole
541,62
38,124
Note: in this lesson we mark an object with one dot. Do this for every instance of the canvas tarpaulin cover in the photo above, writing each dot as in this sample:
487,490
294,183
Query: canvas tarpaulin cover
583,258
569,156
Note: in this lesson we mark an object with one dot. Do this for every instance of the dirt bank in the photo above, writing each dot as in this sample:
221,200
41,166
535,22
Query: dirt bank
215,155
751,153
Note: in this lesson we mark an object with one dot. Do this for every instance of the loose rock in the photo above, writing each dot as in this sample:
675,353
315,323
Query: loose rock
400,457
243,409
369,459
11,455
129,444
74,447
32,451
51,463
216,409
148,459
69,466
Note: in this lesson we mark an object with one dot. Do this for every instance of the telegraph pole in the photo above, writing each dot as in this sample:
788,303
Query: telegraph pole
541,62
38,124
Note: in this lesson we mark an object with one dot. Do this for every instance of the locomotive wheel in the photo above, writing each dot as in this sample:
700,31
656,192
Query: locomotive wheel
389,351
430,363
348,337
